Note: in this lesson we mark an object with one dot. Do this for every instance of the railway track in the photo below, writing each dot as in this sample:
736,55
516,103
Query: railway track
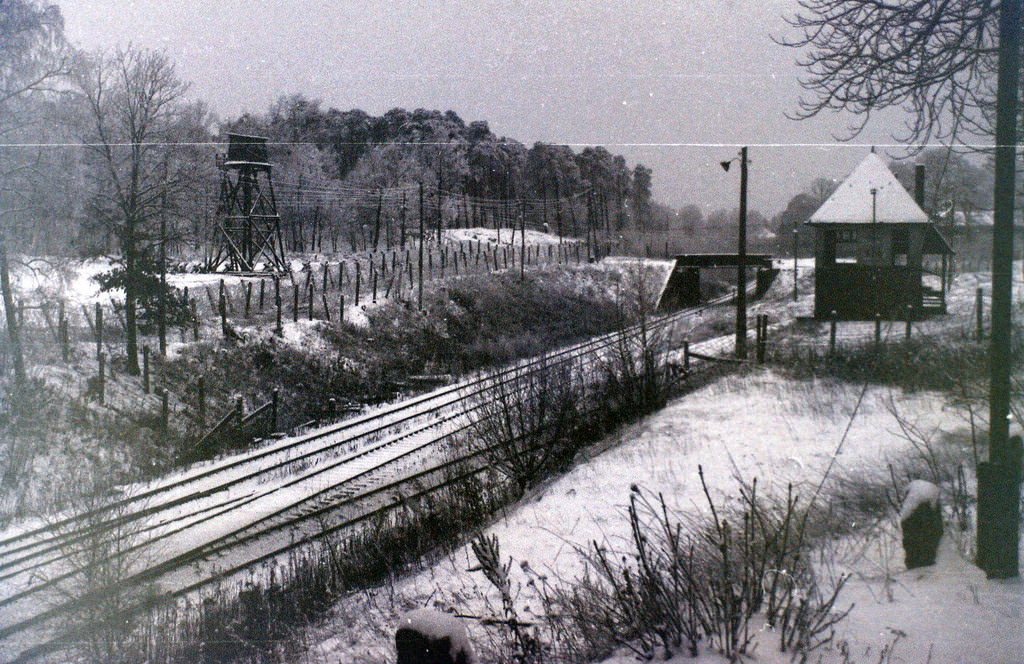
219,518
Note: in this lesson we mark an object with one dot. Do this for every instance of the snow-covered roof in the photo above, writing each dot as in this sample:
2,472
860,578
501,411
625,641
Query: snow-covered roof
851,203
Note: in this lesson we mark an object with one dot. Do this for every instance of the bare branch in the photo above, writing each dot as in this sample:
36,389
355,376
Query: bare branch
934,59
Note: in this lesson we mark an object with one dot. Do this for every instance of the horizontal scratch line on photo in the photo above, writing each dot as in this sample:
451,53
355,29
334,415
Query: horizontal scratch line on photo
652,144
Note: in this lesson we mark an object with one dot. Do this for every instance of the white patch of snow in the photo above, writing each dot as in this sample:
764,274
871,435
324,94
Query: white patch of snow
505,236
918,493
356,315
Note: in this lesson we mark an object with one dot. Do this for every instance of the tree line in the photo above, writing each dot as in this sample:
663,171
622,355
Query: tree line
105,154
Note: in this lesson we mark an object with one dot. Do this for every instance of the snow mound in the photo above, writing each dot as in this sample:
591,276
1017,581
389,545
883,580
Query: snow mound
918,493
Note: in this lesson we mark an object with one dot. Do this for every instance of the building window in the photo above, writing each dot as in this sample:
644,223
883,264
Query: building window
900,241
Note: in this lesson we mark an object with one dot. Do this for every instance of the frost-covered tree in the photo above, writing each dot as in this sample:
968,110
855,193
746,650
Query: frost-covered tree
133,99
34,59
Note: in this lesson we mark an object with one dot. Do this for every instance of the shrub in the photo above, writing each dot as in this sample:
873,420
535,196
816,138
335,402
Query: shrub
525,421
679,585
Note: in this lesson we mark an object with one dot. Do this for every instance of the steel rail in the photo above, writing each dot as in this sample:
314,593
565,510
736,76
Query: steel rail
459,390
152,575
236,538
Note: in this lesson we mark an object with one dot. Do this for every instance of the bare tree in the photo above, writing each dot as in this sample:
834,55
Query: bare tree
936,60
132,97
33,59
33,53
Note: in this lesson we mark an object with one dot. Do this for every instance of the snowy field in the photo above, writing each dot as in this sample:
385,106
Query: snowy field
763,426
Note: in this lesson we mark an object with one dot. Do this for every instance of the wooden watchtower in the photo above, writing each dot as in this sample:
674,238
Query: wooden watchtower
248,226
870,243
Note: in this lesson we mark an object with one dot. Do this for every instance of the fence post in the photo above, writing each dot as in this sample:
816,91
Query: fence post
310,288
201,410
764,339
103,376
222,306
878,329
277,303
165,413
295,302
686,357
263,283
979,312
757,338
332,407
910,316
194,307
145,369
248,298
762,336
65,351
359,278
274,397
832,334
99,334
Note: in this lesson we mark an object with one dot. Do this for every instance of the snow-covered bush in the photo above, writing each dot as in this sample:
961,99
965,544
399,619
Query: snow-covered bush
684,582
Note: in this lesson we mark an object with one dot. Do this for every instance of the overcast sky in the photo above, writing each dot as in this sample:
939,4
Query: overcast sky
675,85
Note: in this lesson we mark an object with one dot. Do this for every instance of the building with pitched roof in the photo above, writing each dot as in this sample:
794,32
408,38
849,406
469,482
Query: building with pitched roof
870,241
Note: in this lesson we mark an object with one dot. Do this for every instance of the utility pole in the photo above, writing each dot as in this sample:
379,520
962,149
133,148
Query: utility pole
522,241
420,265
162,299
998,534
741,271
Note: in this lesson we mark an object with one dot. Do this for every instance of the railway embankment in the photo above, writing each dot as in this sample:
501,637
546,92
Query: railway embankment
61,429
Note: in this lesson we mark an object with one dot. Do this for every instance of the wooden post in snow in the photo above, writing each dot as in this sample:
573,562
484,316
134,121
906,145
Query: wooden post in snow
99,334
979,314
277,305
201,398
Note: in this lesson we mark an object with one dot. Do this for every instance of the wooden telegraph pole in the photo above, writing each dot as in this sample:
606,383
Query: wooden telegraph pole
999,477
741,271
162,299
420,264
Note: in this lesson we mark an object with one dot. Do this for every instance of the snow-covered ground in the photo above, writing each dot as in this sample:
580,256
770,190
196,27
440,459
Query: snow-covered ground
763,426
505,236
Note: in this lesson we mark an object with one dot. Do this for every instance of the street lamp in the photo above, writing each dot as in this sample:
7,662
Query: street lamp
741,270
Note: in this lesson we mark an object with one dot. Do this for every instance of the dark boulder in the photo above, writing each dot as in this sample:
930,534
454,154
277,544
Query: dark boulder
921,522
425,636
